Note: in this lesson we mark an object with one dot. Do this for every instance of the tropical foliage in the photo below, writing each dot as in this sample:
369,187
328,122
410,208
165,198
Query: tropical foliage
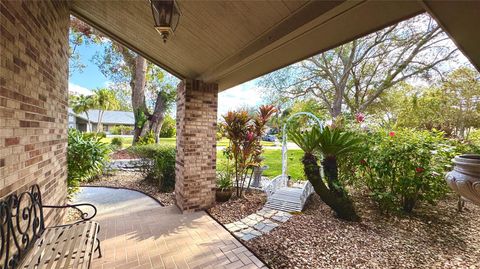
121,130
104,99
147,139
82,104
116,143
158,164
328,144
87,156
404,167
168,127
245,133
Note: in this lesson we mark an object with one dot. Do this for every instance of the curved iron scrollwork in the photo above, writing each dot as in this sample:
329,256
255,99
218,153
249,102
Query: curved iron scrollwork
84,216
22,223
21,219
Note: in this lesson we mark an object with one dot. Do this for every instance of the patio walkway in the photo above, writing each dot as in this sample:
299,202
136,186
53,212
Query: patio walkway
136,232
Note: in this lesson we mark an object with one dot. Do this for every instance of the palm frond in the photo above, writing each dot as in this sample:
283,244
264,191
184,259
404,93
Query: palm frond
335,142
307,140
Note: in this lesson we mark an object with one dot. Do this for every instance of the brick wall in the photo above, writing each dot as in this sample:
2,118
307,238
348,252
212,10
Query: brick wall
196,145
33,98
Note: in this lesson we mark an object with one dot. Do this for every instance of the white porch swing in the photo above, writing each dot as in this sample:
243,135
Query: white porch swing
279,195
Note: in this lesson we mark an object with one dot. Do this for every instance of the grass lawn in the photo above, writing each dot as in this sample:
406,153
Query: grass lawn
127,141
273,158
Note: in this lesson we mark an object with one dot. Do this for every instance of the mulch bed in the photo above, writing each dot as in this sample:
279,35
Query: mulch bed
123,154
238,208
432,237
133,180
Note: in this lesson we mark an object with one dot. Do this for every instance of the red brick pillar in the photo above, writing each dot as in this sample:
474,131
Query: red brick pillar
196,145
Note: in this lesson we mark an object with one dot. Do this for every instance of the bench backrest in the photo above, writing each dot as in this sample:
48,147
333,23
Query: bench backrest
21,223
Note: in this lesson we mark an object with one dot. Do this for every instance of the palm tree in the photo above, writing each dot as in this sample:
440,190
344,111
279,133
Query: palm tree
82,104
330,144
105,99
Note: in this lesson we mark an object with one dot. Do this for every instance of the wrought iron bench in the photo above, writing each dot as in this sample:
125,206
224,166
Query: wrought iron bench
27,243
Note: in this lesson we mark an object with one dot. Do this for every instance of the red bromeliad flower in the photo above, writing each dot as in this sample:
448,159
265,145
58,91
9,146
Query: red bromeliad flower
419,169
363,162
359,117
250,136
391,134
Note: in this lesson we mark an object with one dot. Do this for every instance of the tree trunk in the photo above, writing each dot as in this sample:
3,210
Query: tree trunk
330,170
337,103
139,106
342,205
158,116
156,126
89,124
100,119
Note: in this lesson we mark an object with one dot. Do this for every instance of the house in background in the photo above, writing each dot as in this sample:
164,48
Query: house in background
109,120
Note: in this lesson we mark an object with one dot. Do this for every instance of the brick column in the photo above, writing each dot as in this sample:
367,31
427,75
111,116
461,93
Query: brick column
196,145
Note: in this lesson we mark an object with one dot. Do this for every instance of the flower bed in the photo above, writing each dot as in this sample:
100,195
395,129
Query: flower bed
433,237
236,209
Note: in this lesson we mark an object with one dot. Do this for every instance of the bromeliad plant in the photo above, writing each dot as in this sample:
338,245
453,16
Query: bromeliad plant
331,144
245,133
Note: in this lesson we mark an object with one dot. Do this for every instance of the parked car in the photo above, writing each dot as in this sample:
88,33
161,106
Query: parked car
269,138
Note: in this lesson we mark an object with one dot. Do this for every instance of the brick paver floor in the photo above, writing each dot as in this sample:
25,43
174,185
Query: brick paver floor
136,232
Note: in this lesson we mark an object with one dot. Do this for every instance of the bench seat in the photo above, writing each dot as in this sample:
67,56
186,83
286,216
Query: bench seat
65,246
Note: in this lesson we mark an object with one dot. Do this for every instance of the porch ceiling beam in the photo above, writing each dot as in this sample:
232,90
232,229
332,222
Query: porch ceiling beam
343,23
306,14
461,21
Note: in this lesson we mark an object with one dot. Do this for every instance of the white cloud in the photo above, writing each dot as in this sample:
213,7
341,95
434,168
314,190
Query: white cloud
77,89
246,94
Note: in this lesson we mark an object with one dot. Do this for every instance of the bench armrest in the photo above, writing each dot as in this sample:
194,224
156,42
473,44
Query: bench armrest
83,215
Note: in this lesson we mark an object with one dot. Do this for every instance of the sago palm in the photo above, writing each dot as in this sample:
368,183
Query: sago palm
330,143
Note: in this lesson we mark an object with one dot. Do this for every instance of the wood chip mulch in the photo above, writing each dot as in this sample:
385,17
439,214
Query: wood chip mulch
433,237
133,180
123,154
238,208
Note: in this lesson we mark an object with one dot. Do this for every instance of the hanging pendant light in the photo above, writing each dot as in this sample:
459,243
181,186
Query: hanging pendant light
166,15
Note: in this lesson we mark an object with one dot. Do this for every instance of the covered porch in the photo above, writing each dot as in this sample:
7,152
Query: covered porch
217,45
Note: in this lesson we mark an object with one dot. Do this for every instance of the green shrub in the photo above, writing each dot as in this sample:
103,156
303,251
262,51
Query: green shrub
86,157
92,135
474,137
147,139
101,134
225,172
224,182
116,143
158,164
404,167
168,127
121,130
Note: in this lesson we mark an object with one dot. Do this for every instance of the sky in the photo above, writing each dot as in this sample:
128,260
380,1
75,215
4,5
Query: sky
246,94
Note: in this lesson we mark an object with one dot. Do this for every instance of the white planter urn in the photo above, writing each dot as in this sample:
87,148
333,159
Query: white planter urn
464,179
